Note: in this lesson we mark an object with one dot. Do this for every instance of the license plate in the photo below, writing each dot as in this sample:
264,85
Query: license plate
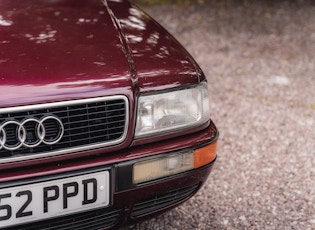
43,200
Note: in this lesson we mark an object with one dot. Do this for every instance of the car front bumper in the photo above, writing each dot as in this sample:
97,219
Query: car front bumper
127,202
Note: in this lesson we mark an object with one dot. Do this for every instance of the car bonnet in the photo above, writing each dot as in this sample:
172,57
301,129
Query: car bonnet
59,50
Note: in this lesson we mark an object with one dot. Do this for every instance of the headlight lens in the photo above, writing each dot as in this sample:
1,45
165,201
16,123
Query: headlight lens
171,111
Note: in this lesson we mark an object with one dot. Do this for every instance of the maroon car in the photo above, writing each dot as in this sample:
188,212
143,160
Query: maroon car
104,116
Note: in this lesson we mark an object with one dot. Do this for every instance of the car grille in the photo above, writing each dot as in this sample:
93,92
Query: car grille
162,201
93,220
86,124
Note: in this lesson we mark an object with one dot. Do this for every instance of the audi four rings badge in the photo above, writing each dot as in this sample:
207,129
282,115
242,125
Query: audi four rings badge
30,132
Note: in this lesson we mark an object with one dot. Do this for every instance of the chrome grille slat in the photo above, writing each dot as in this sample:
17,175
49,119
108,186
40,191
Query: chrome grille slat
97,125
93,120
88,123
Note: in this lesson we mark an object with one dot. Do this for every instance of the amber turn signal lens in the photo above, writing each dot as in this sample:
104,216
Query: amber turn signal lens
172,164
205,155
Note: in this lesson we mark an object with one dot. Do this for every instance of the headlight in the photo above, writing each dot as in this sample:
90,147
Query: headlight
172,111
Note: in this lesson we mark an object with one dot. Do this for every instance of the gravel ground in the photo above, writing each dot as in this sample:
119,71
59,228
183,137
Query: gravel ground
260,62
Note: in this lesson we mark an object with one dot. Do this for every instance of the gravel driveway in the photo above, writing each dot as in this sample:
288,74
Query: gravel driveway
260,62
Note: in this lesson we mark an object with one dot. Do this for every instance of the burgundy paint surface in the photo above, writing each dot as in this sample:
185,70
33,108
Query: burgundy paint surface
57,50
54,50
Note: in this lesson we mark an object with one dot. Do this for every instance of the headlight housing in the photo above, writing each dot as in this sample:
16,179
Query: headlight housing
171,111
